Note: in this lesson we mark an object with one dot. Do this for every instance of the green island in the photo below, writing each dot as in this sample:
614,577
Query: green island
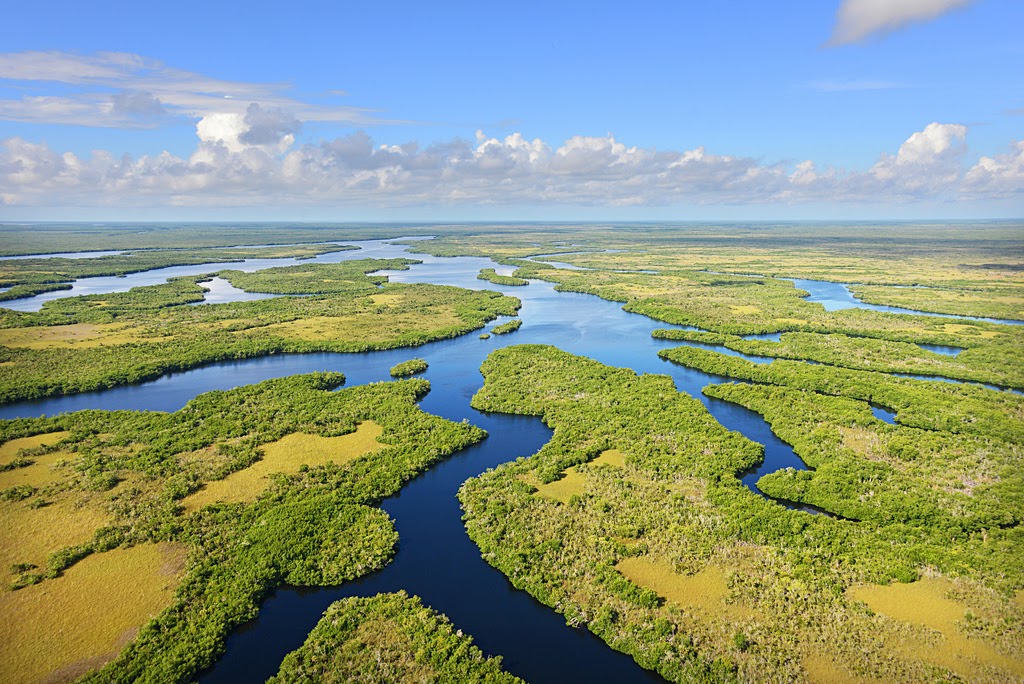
410,367
491,276
408,642
506,328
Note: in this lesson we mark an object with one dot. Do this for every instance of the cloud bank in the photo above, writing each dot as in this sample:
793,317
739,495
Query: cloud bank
249,158
859,19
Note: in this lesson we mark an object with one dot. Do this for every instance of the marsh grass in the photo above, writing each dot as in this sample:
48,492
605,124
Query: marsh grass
704,592
76,335
41,472
573,481
9,449
30,534
287,455
58,630
928,603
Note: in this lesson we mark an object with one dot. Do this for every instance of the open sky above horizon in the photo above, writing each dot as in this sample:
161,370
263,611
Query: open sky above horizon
592,111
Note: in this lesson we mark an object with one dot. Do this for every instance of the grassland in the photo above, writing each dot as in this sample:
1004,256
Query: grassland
59,630
669,558
329,456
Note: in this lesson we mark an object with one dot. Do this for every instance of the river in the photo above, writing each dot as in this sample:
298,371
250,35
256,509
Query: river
435,559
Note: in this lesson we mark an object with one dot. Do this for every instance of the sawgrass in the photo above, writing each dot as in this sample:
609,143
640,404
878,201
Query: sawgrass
704,592
9,449
572,483
30,535
367,327
287,455
60,629
41,472
76,335
928,603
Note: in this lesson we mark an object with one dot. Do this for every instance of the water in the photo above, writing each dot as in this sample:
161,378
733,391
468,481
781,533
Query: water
883,415
836,296
369,249
942,349
435,559
219,291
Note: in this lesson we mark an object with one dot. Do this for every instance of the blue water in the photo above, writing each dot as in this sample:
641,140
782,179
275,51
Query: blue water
369,249
883,415
942,349
836,296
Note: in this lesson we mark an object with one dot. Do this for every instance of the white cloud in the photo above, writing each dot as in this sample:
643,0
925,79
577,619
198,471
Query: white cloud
114,89
999,176
250,159
858,19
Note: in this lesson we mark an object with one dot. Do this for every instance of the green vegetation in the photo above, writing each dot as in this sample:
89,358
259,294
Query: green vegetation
930,405
311,526
491,276
670,558
983,363
33,276
506,328
388,638
141,334
410,367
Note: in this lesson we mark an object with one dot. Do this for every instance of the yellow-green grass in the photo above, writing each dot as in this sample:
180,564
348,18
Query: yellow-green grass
42,471
573,482
611,457
78,335
30,535
821,669
927,603
386,299
287,455
9,450
58,630
366,327
704,592
744,309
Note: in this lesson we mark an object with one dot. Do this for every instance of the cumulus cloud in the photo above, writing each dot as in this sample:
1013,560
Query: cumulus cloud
251,159
273,129
143,88
999,176
858,19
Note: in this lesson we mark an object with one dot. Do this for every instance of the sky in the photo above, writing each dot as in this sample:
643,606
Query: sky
327,111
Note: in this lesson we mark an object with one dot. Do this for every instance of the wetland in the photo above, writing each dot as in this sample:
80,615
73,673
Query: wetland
687,473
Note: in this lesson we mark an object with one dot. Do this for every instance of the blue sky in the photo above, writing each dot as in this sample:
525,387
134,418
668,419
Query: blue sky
628,111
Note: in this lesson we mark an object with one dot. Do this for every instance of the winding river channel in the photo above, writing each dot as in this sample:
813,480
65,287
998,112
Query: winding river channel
436,559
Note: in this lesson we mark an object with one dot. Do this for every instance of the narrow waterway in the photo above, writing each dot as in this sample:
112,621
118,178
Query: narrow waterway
435,559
